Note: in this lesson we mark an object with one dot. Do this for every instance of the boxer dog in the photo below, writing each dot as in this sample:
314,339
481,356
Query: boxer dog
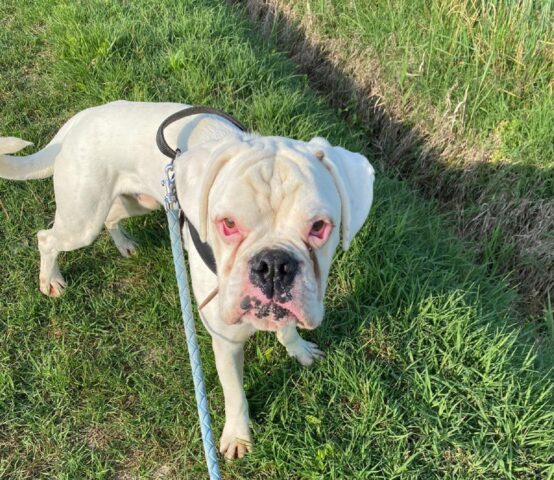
271,208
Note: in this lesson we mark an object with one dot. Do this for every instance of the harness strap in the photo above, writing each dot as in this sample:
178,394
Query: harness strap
203,248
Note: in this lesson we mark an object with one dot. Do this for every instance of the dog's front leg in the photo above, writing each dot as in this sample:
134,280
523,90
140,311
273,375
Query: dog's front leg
235,440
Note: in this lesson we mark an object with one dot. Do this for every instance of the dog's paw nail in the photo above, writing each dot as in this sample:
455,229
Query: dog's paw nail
52,288
56,288
124,243
127,252
237,449
55,291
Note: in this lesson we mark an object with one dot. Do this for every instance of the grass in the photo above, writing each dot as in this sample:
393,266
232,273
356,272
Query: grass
429,373
457,99
492,61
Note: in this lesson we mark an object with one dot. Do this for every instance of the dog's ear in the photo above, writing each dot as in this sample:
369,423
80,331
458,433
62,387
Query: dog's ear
219,158
353,176
214,168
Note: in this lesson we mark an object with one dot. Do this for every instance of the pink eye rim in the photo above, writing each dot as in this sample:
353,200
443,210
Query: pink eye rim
228,227
320,229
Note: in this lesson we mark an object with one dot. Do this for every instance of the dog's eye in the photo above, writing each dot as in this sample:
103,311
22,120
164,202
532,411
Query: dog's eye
318,226
228,227
320,230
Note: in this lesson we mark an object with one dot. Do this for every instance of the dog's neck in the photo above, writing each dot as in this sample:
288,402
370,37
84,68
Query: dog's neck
213,129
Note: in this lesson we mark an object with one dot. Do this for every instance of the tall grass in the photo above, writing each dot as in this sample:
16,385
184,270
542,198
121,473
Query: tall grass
490,62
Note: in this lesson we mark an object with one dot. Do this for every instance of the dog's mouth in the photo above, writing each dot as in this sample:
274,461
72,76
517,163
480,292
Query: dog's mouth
268,315
264,310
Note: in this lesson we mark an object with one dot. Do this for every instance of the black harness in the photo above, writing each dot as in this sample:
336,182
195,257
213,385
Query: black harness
203,248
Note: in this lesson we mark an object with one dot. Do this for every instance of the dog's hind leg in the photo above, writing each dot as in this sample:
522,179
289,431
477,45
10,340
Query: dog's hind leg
77,224
61,238
51,282
126,206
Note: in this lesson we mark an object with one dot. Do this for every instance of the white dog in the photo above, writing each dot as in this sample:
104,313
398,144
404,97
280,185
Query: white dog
271,208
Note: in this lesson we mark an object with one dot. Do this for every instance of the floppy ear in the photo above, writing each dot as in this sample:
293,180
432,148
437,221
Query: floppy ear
353,176
219,159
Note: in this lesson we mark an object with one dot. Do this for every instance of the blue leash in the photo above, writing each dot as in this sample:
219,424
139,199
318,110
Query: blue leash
172,210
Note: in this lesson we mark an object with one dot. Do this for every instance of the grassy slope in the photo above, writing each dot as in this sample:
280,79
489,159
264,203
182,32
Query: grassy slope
494,61
459,100
424,376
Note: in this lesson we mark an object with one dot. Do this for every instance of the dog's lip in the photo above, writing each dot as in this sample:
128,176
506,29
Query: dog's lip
277,314
250,303
272,307
248,316
247,307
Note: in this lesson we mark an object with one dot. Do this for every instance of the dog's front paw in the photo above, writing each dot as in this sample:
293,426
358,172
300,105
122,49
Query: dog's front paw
305,352
235,442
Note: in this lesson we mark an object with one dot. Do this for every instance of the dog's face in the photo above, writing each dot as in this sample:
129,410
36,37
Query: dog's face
273,219
272,212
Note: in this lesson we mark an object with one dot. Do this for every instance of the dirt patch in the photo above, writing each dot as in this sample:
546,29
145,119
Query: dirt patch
512,232
97,438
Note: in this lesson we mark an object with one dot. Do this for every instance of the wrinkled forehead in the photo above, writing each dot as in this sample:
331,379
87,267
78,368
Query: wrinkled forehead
275,180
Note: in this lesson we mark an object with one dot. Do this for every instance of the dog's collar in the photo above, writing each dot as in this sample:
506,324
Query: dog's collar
187,112
203,248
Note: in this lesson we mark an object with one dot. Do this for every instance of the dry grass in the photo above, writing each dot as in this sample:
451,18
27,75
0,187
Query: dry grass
428,151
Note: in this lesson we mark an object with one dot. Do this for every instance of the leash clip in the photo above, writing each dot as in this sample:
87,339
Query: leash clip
170,200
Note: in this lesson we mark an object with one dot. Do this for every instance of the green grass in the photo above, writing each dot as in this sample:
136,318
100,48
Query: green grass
492,60
428,372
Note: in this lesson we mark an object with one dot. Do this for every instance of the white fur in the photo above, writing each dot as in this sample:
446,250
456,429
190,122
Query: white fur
107,167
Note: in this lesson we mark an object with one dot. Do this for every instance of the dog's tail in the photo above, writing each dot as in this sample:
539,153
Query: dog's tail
37,165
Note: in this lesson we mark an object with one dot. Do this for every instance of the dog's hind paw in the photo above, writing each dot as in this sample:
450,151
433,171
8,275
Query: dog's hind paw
124,243
52,287
127,248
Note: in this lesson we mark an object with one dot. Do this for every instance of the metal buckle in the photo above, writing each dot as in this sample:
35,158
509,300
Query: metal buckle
170,200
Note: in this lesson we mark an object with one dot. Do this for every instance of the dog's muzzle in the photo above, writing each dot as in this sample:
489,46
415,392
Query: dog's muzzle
273,271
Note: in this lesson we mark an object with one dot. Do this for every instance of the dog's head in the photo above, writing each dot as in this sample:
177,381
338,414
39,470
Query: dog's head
274,210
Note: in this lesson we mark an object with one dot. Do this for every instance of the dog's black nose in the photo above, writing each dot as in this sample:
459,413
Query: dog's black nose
273,272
